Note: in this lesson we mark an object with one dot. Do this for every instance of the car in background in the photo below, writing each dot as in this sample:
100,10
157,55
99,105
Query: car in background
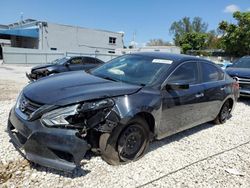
116,109
64,64
224,64
241,71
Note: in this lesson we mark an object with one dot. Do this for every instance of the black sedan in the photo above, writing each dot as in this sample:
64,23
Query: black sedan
116,109
63,65
241,70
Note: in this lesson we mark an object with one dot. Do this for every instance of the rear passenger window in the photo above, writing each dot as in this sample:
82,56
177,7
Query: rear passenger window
211,73
185,74
88,60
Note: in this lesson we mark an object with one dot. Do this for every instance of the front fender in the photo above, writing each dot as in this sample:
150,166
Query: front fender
128,106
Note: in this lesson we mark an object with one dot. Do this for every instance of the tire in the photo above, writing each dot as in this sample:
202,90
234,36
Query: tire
125,143
224,113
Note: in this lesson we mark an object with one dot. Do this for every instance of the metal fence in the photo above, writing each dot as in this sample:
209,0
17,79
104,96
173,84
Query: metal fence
30,58
26,56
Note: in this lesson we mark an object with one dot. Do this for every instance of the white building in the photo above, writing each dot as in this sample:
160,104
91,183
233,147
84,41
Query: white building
31,36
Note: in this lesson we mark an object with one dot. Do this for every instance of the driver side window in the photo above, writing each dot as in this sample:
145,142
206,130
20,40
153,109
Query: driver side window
187,73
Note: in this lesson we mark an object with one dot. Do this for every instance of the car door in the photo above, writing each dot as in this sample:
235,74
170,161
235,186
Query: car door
215,89
75,64
180,107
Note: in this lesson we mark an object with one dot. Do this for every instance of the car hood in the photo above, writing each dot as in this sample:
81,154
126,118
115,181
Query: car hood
239,72
73,87
41,66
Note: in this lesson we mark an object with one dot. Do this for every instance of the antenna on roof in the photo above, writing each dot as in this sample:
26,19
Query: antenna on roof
133,43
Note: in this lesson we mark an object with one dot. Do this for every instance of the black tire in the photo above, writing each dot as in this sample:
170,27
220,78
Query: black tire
125,143
224,113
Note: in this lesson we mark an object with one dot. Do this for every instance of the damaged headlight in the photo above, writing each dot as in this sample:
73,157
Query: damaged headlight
61,116
44,70
96,105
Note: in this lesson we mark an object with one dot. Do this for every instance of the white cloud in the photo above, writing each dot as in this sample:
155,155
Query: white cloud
231,8
248,9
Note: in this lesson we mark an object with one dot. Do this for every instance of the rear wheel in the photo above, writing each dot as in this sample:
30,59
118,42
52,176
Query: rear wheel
224,113
125,143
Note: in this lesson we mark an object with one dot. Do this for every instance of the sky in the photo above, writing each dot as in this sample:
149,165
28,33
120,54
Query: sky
144,19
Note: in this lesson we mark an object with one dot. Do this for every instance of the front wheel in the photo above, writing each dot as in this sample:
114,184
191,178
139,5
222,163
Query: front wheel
125,144
224,113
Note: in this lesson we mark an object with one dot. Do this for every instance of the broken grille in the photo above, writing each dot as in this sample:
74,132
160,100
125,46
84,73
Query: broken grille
27,107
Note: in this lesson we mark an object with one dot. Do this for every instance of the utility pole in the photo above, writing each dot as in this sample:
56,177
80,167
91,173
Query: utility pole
21,18
133,40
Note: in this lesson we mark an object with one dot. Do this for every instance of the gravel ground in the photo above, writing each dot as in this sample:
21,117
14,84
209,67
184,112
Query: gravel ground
205,156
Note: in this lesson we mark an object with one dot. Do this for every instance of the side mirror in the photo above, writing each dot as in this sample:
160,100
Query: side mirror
177,86
67,64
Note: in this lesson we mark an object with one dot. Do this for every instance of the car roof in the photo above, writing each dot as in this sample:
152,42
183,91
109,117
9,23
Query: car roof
170,56
79,56
247,56
70,57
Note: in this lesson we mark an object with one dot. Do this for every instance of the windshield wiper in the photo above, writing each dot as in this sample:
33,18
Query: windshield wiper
108,78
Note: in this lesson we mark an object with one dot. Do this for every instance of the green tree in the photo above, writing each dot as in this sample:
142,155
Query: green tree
193,41
158,42
235,38
198,25
184,26
213,40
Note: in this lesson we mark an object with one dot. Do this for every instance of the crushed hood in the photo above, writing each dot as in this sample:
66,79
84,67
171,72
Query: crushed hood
41,67
73,87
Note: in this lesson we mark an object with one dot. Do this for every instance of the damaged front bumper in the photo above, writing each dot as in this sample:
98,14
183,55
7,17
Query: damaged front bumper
51,147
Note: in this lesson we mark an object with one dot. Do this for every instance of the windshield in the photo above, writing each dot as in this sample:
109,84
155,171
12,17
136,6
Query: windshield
242,63
134,69
60,61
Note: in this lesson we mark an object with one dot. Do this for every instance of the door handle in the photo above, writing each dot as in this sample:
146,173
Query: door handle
223,88
199,95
